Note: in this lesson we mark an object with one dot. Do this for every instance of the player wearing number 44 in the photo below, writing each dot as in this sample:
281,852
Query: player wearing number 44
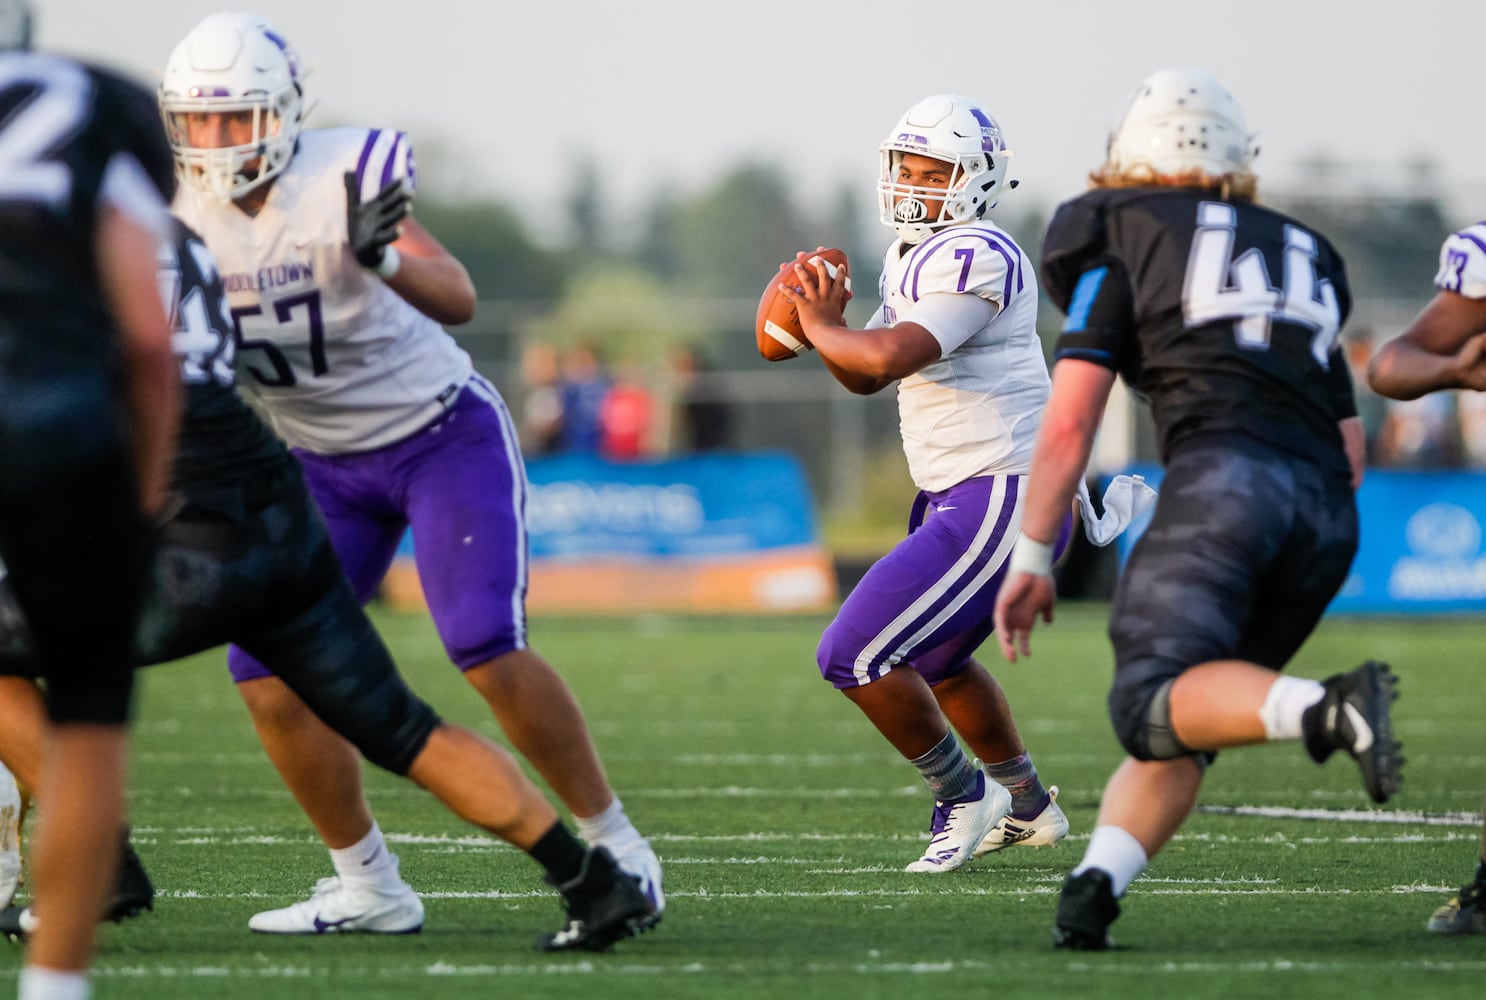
339,295
957,332
1224,315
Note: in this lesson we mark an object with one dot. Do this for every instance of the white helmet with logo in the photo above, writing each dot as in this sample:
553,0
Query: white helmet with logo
1179,121
234,62
959,131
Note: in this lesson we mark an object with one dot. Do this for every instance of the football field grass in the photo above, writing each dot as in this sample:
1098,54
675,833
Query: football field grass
784,822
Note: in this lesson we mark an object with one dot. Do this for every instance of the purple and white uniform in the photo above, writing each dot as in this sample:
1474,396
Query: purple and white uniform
1463,263
382,407
969,422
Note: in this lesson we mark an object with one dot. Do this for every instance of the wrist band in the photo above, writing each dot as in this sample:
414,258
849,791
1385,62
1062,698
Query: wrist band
391,261
1032,556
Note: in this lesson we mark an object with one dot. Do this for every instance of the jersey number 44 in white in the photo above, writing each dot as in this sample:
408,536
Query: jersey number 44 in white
1220,286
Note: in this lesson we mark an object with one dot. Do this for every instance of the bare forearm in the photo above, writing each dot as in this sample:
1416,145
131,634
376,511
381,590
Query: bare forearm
1057,466
1402,370
438,287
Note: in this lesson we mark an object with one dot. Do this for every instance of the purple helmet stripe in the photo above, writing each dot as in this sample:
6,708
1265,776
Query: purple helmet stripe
990,131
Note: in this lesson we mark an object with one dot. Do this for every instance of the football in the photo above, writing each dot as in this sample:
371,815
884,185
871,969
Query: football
777,327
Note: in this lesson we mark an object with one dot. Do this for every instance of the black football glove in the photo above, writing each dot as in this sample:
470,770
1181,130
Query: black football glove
370,227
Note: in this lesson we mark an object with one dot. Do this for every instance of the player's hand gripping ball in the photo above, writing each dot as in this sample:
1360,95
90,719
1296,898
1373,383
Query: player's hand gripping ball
777,327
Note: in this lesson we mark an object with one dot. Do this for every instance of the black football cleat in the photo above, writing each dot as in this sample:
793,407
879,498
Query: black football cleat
1086,908
1355,715
1465,914
133,894
604,904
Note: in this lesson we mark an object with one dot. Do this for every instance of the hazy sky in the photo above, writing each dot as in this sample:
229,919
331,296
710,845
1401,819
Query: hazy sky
672,93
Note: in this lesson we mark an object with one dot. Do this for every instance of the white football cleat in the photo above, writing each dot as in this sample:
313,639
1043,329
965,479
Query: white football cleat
1046,829
959,825
638,859
338,908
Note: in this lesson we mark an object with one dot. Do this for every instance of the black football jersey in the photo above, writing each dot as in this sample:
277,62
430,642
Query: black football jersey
61,125
227,460
1224,315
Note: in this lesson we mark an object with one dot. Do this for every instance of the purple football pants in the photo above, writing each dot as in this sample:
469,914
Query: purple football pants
929,603
460,483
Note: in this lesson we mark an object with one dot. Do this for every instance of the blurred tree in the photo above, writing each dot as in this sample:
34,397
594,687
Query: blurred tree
731,238
491,242
631,315
585,209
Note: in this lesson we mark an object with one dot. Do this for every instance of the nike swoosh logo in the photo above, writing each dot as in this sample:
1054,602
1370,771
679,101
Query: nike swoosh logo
321,926
1360,727
946,508
375,855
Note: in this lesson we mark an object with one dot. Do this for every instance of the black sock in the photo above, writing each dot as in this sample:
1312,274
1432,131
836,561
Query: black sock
560,853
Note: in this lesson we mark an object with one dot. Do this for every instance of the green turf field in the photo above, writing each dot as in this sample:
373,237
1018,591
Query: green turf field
784,822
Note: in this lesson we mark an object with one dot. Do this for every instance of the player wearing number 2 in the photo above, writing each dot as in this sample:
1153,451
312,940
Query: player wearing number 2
88,411
339,296
1224,315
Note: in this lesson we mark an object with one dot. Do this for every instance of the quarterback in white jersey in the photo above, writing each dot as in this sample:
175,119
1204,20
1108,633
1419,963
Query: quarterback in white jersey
338,296
973,411
956,331
1445,348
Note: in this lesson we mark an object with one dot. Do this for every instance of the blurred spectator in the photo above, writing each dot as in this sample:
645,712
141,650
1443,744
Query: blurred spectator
1472,407
541,411
584,385
1421,433
704,421
627,418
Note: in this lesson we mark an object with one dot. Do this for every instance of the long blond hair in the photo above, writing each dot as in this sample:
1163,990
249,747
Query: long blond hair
1235,186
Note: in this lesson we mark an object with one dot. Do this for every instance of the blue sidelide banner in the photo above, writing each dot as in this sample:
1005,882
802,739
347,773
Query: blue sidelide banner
707,505
711,533
1421,545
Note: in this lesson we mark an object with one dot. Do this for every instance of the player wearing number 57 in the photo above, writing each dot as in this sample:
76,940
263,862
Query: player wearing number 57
1224,316
338,297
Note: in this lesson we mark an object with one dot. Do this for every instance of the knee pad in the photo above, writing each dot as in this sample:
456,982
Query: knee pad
1142,719
337,664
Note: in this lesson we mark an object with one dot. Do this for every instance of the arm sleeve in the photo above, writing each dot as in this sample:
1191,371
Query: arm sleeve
951,318
127,187
1100,326
1339,382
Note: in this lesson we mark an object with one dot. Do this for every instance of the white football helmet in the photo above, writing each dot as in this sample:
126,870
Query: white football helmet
960,132
1179,120
234,61
15,24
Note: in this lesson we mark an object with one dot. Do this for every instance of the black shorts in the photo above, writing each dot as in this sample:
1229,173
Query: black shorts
1248,546
72,540
269,582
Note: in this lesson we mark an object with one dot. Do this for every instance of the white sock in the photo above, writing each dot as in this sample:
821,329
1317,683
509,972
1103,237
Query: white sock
1114,850
610,828
367,862
1286,702
36,983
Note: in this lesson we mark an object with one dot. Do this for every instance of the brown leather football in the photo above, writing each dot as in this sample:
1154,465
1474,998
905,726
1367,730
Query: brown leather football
777,327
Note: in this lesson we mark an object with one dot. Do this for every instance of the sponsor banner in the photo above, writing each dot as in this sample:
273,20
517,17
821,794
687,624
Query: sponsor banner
1421,548
708,533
